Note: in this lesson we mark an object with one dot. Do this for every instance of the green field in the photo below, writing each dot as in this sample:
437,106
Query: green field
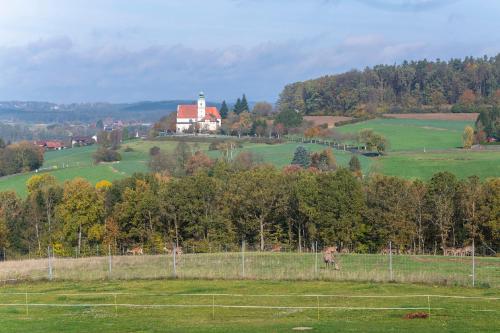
244,306
420,148
77,162
413,134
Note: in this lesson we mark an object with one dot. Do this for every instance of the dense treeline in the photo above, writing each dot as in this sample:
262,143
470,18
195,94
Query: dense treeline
416,86
19,157
219,204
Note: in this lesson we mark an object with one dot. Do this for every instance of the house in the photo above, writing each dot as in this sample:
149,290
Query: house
50,144
193,118
82,141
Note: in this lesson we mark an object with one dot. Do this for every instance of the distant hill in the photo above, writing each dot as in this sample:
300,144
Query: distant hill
417,86
45,112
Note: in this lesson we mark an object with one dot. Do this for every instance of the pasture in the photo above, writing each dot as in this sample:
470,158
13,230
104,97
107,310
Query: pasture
77,162
244,306
261,266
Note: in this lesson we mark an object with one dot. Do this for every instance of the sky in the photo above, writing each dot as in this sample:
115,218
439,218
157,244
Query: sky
68,51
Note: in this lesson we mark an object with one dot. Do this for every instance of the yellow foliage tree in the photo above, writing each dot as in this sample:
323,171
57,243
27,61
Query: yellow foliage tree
468,137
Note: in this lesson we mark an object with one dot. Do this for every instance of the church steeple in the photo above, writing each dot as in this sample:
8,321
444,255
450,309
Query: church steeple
201,106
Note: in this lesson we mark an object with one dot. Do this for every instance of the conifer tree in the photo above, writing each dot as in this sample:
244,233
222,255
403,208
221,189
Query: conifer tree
301,157
354,164
244,104
224,110
237,107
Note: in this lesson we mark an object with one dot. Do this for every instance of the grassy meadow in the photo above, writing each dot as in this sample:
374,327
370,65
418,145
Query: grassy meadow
244,306
418,149
263,266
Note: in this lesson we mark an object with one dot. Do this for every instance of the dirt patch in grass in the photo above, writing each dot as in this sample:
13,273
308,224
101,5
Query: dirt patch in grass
416,315
434,116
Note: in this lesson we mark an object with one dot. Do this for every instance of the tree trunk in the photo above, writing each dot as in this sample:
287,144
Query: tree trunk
299,229
38,238
79,239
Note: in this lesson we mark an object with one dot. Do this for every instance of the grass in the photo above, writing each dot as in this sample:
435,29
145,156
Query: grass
77,162
413,134
418,149
247,313
262,265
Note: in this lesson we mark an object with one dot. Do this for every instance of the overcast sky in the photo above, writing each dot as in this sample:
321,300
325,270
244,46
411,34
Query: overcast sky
131,50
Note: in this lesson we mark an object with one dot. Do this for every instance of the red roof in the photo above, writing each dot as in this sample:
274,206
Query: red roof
191,111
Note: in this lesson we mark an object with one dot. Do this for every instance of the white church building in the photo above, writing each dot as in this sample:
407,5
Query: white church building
197,117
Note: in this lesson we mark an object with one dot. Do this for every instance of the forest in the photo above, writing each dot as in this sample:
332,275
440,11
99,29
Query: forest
457,85
213,204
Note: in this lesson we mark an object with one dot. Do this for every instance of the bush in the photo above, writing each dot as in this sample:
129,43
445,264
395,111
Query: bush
106,155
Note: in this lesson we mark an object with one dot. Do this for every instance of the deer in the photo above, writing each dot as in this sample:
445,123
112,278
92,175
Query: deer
329,259
178,250
136,251
276,248
345,250
330,249
467,250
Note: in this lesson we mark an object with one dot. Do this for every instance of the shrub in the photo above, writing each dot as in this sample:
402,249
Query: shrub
106,155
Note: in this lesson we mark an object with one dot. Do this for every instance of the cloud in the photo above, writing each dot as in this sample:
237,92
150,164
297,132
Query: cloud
58,69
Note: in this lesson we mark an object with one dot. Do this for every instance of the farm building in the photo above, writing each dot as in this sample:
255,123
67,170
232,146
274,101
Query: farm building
50,144
197,117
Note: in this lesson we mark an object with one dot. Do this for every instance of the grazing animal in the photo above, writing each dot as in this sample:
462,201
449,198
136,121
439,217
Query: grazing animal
276,248
136,251
330,249
345,250
450,251
178,250
386,250
467,250
329,259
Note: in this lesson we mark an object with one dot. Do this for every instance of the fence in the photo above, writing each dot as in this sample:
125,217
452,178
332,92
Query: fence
466,271
314,305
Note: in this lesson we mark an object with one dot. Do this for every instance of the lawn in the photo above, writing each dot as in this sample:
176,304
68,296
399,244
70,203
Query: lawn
243,306
414,134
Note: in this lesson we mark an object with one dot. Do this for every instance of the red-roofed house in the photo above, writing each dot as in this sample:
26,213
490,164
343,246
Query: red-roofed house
197,117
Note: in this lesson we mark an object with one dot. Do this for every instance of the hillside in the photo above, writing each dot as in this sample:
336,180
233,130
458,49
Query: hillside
416,86
44,112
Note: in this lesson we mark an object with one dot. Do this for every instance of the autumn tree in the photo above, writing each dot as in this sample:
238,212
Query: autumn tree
468,137
80,211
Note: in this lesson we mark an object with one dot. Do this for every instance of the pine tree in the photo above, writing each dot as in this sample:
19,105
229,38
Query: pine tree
301,157
354,164
244,104
224,110
237,106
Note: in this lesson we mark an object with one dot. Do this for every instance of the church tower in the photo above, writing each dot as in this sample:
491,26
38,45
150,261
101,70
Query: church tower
201,106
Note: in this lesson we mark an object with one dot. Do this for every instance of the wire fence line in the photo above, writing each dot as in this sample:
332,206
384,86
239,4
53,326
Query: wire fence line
318,302
466,271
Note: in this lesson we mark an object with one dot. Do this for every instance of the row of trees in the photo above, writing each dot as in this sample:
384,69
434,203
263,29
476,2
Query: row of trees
410,86
19,157
221,204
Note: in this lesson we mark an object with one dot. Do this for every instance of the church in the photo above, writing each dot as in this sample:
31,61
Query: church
197,117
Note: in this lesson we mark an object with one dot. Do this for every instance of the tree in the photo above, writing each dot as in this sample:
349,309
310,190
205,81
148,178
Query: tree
354,164
244,104
99,125
262,109
289,118
80,210
106,155
468,97
237,109
440,199
224,110
198,162
301,157
324,160
468,137
373,141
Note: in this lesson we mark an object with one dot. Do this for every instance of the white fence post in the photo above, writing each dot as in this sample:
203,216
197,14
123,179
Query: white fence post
390,260
316,258
110,265
175,254
473,264
243,258
50,263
